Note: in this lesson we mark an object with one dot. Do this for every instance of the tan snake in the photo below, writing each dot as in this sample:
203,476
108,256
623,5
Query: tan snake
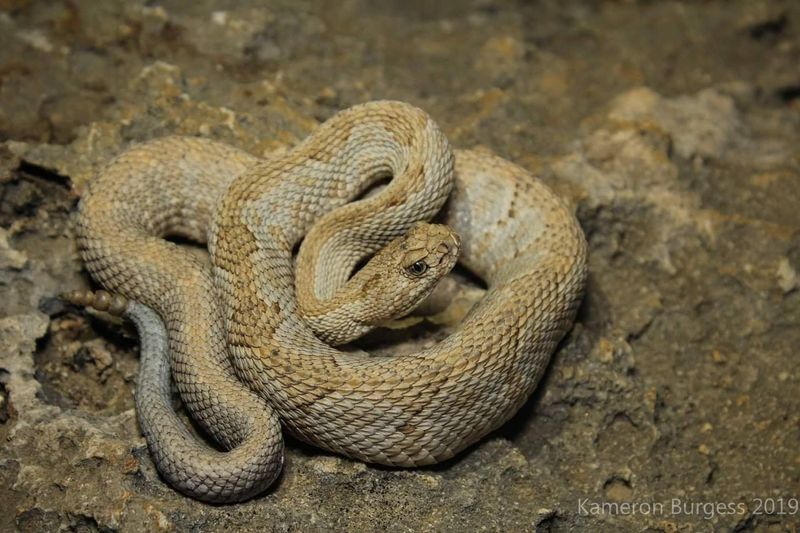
242,352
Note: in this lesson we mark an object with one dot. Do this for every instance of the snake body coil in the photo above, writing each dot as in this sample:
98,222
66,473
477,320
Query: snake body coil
243,353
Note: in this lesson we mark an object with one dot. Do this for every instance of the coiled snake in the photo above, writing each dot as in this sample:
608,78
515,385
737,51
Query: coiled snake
243,352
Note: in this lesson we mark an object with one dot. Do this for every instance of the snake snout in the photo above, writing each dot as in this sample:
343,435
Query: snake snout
447,248
454,244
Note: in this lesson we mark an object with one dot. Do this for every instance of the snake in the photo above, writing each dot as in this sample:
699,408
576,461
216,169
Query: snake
308,250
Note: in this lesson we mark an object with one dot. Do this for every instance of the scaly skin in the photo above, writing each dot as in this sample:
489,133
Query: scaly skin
388,287
241,354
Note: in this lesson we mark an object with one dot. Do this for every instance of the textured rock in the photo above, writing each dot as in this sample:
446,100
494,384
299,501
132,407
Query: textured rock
679,380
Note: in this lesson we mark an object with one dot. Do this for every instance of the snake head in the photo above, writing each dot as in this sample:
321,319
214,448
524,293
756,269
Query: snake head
407,269
427,252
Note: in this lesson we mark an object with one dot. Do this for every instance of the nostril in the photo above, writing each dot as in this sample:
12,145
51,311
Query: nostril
456,242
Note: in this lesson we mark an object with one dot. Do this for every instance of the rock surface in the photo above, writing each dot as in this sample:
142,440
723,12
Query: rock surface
672,128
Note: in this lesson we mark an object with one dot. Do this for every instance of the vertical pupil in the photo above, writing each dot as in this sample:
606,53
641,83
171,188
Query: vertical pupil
418,268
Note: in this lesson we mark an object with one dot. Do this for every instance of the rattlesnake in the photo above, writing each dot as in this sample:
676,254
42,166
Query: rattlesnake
244,355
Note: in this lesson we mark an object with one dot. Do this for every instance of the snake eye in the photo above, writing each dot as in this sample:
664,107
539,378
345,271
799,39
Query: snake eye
418,268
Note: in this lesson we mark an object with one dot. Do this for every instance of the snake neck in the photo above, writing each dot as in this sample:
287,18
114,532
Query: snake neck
389,286
389,139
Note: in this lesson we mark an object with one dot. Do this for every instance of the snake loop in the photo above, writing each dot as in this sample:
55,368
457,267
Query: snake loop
246,356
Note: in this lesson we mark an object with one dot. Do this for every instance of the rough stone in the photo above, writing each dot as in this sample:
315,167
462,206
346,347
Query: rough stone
672,128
